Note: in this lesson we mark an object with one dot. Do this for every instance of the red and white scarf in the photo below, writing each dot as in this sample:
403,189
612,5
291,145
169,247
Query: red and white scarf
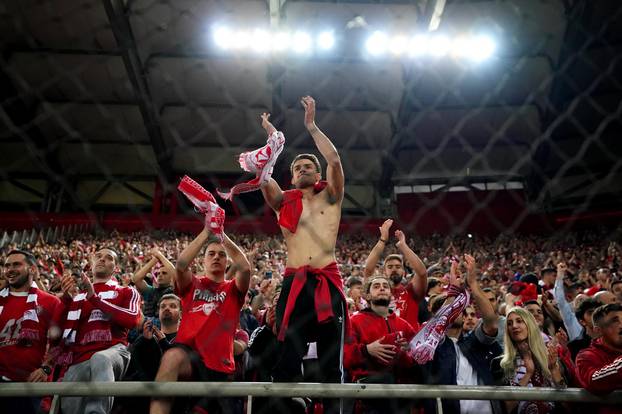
98,329
423,345
261,162
30,321
205,203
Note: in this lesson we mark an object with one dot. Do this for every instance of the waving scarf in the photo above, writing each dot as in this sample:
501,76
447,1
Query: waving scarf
261,162
423,345
205,203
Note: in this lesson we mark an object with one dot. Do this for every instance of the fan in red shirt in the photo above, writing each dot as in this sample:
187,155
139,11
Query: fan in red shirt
98,317
376,349
406,298
600,365
211,312
27,314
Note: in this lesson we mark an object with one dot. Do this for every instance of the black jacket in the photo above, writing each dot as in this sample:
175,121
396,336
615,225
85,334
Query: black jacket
479,349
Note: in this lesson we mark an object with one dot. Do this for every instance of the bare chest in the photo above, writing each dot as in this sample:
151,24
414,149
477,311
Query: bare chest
318,212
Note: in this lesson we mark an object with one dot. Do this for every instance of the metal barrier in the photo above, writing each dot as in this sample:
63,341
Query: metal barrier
315,390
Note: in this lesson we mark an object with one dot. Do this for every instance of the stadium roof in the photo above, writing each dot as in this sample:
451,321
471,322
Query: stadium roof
128,91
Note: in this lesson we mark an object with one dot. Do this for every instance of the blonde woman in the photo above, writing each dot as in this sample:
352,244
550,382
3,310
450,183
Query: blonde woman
527,361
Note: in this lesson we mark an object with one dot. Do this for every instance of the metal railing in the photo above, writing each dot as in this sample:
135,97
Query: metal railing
313,390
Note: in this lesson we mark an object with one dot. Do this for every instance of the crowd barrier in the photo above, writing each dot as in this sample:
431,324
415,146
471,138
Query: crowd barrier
312,390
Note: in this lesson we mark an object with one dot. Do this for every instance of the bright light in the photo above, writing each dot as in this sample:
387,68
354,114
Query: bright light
439,45
476,48
398,45
280,41
222,37
462,46
419,45
326,40
261,41
301,42
483,48
377,43
241,40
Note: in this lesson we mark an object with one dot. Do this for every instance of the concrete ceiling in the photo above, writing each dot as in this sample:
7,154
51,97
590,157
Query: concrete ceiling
111,88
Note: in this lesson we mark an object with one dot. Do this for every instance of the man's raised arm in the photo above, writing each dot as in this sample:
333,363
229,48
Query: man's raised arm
376,251
420,277
489,316
240,265
334,172
183,276
271,191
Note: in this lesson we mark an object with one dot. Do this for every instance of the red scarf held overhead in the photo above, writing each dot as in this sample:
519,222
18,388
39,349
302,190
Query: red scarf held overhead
322,298
291,206
206,204
30,321
261,162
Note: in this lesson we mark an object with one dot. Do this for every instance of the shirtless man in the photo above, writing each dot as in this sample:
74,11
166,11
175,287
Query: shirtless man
311,307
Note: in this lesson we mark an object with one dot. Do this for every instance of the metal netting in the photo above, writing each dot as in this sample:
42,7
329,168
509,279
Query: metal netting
478,126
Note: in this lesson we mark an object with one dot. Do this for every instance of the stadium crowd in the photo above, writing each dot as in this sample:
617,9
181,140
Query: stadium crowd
541,312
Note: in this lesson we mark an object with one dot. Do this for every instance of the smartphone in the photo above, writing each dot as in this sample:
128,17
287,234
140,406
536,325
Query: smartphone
155,321
268,275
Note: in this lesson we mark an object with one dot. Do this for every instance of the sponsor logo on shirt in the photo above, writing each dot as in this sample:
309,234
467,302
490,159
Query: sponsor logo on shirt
213,300
207,295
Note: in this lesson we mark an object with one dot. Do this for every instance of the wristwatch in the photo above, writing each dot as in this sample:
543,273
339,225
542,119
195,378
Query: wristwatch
46,368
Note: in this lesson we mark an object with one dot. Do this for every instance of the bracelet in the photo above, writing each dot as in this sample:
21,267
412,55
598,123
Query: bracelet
384,241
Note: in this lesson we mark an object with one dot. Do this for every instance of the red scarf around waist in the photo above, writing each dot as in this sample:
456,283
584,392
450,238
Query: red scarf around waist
323,302
291,206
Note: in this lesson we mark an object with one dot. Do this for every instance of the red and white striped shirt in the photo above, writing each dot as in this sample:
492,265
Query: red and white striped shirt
102,321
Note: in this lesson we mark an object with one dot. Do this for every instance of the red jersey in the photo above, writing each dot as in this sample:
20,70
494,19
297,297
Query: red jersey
406,306
211,313
600,371
22,352
102,321
367,327
600,367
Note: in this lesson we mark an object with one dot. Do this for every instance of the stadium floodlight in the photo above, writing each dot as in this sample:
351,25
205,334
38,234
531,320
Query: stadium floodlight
280,41
261,40
222,37
377,43
301,42
475,48
439,45
419,45
483,48
461,46
240,40
398,45
326,40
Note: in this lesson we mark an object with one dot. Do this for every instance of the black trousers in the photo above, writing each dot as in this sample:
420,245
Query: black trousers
303,328
202,373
